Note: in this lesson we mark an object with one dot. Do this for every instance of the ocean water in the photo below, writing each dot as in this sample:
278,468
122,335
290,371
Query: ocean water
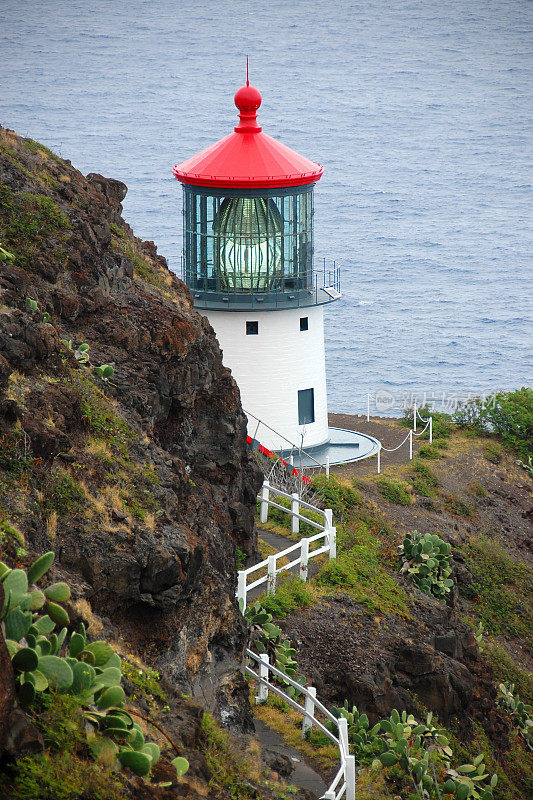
420,111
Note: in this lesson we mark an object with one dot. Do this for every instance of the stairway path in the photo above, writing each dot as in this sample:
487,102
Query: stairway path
303,776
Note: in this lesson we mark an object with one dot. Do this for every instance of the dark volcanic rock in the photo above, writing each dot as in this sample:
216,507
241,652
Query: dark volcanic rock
142,485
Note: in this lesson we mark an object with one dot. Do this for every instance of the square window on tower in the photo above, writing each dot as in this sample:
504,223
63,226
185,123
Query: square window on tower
304,323
252,328
306,406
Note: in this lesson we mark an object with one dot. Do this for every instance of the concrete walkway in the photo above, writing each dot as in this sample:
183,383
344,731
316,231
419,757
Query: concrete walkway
303,776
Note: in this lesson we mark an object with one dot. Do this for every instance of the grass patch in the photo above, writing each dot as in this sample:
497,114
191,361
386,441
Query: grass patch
63,494
431,451
505,669
359,571
229,772
15,454
424,481
502,589
99,416
493,452
37,147
477,490
395,491
290,594
26,220
145,680
454,505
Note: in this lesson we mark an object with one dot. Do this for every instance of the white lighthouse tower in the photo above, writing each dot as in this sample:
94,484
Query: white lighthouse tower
248,256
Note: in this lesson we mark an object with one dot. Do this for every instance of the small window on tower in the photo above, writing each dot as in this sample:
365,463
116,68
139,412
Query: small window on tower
252,328
304,323
306,406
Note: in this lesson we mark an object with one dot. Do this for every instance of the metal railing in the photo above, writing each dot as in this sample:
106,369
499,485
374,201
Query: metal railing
302,549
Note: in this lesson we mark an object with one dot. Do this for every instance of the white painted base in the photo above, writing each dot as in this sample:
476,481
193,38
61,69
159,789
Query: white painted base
272,366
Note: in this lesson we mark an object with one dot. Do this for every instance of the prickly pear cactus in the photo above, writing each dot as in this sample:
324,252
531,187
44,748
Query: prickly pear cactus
426,559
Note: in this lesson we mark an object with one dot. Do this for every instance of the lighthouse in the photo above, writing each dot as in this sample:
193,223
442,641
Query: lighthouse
248,261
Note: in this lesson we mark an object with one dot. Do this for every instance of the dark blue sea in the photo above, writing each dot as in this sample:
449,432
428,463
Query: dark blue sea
420,111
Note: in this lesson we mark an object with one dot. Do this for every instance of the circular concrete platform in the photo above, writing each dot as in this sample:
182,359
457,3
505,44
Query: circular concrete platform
343,447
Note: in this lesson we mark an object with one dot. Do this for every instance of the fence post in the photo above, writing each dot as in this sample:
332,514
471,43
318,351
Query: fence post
349,777
342,723
295,509
241,587
262,690
307,722
430,429
410,445
304,559
368,406
414,415
379,460
271,577
327,466
265,494
331,532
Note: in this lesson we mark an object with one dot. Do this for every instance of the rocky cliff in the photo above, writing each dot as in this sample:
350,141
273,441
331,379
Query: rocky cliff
141,482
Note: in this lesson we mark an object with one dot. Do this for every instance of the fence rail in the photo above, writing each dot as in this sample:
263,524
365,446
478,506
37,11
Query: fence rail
343,784
326,532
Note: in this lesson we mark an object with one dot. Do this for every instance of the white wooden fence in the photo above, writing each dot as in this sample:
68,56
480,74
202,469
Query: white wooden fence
259,667
299,553
343,784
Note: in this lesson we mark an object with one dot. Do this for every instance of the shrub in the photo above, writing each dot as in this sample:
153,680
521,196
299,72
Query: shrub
424,481
493,452
443,425
520,713
63,494
290,594
334,494
509,415
426,559
395,491
432,451
454,505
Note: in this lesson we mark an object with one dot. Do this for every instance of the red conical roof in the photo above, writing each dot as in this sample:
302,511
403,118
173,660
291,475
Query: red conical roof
248,158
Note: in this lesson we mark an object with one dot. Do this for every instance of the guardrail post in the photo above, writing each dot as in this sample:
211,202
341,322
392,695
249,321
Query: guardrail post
350,777
327,466
271,570
430,429
410,445
307,722
368,406
379,460
241,587
414,415
304,558
342,723
295,509
331,532
262,689
265,495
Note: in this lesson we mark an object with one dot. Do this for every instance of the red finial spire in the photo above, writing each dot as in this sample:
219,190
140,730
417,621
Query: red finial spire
248,100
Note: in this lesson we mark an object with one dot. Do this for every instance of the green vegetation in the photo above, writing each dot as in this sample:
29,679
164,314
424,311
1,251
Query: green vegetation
443,425
145,681
359,570
426,559
431,451
454,505
477,490
334,494
283,520
63,494
493,452
26,220
508,415
37,147
505,669
229,773
15,453
395,491
502,589
424,481
85,676
142,266
99,416
290,594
